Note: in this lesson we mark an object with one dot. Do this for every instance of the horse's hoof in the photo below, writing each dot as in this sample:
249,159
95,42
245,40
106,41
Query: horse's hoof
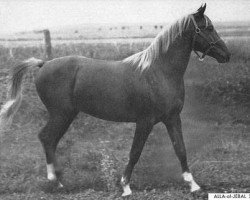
126,188
126,191
60,185
51,177
188,177
126,194
195,188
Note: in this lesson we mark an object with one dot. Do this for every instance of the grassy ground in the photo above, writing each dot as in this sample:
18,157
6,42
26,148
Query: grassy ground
93,155
94,152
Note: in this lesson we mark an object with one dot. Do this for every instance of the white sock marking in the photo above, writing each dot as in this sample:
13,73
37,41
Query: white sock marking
189,178
51,172
126,188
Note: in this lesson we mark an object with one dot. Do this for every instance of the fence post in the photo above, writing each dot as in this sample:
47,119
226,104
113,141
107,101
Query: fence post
48,47
11,52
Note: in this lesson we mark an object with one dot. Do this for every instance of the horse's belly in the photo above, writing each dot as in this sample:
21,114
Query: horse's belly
105,107
110,112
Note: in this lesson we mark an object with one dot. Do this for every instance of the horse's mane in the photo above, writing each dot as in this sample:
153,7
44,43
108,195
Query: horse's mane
161,44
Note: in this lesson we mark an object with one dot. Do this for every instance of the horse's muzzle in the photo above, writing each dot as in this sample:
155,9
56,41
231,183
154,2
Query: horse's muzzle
225,59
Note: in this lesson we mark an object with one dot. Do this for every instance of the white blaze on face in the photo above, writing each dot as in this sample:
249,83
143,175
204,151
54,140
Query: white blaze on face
51,172
126,188
189,178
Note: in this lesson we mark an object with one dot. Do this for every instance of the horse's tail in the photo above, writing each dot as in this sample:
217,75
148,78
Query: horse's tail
15,90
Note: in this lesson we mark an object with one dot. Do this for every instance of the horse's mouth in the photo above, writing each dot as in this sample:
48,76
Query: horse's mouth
224,59
220,56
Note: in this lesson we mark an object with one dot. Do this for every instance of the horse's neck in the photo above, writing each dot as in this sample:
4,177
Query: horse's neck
174,61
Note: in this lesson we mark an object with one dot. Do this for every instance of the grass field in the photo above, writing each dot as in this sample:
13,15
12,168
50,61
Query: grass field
94,152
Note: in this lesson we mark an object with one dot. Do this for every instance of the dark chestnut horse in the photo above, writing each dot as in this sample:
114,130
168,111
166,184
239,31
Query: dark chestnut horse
145,88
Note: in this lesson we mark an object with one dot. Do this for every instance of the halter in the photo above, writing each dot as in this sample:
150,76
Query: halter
198,31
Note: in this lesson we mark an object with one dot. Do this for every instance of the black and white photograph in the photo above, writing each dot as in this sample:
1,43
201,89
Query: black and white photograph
124,99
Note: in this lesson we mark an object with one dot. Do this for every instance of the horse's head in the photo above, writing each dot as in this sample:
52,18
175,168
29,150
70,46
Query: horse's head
206,39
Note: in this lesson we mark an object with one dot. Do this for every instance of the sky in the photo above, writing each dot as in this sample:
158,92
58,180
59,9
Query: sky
24,15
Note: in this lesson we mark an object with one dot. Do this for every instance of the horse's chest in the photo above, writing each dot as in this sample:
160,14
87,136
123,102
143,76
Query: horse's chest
170,98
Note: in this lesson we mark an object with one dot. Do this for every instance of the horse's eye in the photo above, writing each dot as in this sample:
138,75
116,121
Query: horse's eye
210,28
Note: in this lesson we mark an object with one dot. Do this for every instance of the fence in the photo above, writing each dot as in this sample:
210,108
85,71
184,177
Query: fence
48,47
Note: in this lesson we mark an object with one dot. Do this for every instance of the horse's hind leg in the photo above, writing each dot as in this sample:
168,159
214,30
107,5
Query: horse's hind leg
50,136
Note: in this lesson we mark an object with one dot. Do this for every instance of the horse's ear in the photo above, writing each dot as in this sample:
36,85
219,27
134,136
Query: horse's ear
201,10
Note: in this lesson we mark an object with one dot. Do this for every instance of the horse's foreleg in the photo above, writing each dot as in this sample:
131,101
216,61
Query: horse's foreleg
49,137
143,128
175,132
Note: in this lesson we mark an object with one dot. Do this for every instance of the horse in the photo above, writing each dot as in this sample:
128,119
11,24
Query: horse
145,88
